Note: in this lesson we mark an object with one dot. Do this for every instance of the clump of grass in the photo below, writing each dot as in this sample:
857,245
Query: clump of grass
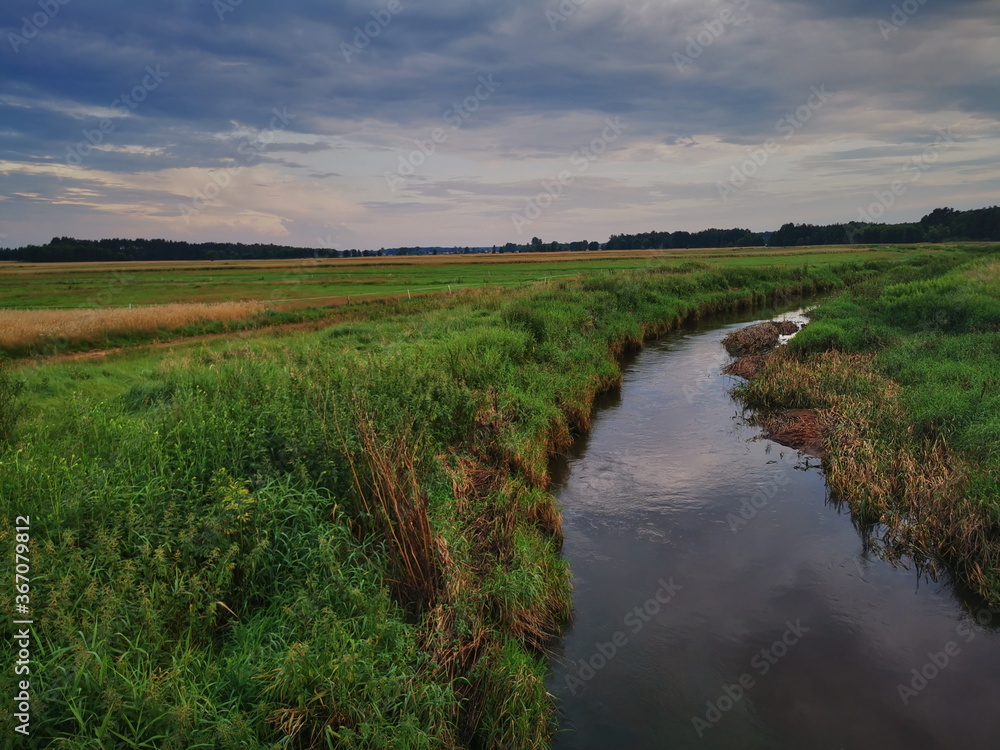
796,428
747,367
397,506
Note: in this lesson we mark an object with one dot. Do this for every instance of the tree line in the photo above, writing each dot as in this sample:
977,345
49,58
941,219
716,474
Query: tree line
940,225
72,250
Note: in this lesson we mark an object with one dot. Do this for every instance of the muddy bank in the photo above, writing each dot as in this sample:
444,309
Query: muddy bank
757,346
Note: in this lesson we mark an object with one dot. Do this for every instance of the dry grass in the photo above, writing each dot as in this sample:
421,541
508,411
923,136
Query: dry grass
22,328
748,367
987,274
797,428
752,339
397,505
915,488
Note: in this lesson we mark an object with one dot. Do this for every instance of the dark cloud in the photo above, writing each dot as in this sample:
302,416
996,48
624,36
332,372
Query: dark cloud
361,84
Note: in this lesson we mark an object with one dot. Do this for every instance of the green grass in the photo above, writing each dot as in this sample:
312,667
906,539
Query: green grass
940,340
337,538
907,369
304,291
312,282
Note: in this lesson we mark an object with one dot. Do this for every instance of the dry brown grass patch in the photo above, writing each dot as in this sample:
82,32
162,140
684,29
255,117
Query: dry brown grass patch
796,428
913,488
22,328
748,367
752,339
397,505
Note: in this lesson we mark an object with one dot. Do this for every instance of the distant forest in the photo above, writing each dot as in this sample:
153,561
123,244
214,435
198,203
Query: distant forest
940,225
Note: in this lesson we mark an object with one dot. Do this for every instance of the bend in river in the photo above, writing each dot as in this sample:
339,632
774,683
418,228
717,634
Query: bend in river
722,600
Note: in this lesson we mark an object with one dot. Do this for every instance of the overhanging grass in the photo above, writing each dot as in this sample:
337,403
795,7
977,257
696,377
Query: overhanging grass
907,376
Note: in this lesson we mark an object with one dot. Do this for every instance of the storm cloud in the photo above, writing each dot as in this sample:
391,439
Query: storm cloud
398,122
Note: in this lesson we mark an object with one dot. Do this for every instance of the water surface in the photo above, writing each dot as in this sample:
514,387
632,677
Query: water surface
722,600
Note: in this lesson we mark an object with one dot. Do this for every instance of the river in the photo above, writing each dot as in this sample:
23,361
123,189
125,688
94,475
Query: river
724,600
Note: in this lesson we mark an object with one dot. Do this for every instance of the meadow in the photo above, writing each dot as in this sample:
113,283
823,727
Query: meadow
53,308
323,280
338,537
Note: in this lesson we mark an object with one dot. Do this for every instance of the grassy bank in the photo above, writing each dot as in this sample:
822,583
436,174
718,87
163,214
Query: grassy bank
906,378
330,539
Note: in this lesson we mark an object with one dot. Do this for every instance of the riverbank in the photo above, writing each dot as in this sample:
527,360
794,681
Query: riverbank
699,554
904,380
331,538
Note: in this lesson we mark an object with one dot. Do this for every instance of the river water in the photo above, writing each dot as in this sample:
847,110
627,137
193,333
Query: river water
723,600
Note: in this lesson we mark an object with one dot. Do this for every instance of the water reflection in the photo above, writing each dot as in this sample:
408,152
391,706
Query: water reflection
782,627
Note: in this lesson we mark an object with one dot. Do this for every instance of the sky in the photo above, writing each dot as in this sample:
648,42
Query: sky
391,123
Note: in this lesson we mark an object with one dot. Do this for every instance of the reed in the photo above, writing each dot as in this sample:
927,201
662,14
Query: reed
396,504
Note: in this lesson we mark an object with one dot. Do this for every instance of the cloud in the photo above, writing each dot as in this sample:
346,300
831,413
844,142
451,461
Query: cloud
696,83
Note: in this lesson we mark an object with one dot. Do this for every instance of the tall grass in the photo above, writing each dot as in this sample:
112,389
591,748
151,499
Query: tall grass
337,539
396,506
907,379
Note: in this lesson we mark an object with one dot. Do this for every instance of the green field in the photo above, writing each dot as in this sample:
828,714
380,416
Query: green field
317,282
53,309
336,536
